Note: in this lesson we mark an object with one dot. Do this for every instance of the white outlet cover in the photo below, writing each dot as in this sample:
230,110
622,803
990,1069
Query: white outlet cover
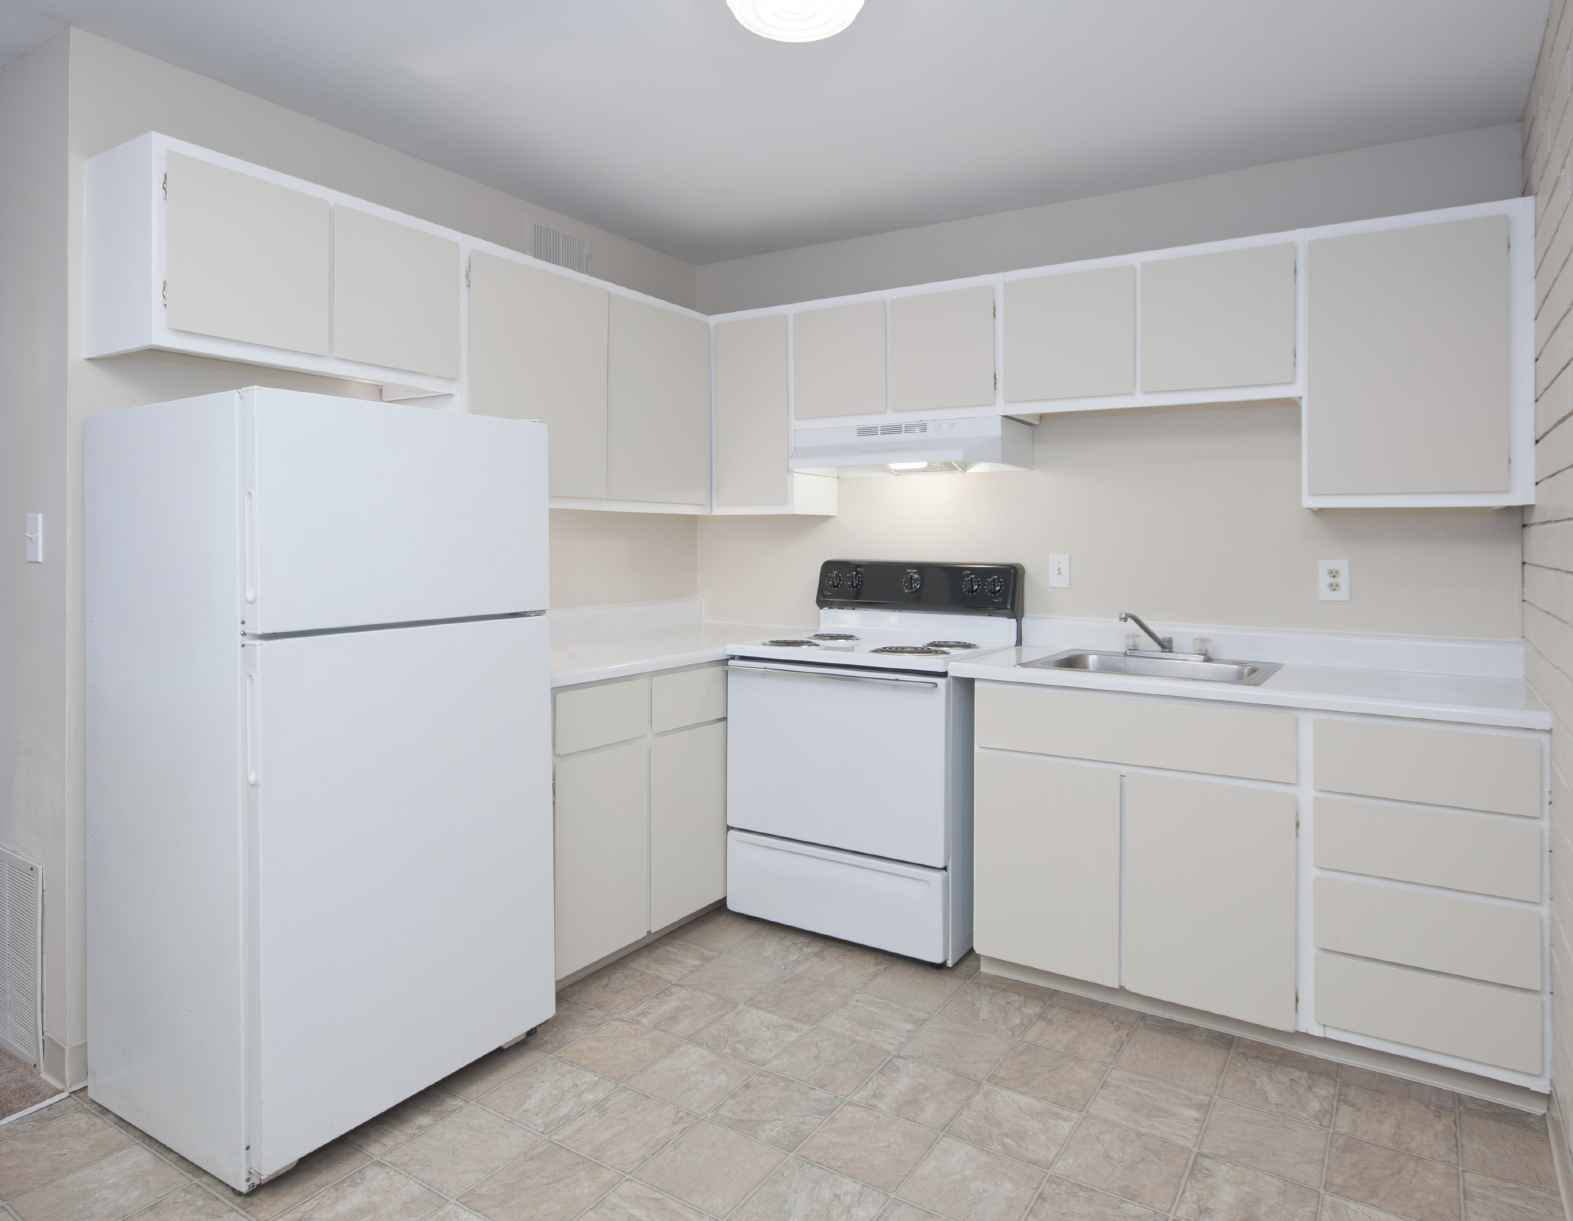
1332,580
1059,572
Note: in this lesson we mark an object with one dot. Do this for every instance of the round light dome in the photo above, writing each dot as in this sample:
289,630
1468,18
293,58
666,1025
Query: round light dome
795,20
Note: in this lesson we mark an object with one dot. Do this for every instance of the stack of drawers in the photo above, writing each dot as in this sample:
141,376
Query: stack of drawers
1429,916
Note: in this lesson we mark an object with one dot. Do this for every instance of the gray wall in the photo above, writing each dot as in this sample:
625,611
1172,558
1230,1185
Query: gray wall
1411,176
34,739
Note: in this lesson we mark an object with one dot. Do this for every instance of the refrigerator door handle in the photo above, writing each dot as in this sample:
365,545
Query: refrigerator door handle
251,545
251,727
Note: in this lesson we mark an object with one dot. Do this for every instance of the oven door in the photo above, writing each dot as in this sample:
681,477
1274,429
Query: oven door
840,757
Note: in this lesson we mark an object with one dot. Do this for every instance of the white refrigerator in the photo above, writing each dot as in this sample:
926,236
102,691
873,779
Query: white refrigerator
319,809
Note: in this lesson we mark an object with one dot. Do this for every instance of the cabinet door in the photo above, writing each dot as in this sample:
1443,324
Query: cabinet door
1210,897
838,361
942,350
395,295
245,259
687,822
751,422
1407,386
1070,336
1215,320
538,352
658,405
1046,865
602,853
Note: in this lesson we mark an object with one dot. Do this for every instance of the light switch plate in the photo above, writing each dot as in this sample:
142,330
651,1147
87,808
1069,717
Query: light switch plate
35,538
1059,572
1332,578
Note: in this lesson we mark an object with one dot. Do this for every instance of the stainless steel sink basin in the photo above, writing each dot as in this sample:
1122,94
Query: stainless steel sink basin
1209,670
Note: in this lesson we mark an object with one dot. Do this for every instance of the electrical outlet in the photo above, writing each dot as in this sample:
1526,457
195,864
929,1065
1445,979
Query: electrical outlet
1332,580
1059,572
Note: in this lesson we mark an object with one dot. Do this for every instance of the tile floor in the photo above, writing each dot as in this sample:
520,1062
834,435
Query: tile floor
742,1070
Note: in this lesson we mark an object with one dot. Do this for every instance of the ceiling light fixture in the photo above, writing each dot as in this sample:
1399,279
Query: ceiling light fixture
795,20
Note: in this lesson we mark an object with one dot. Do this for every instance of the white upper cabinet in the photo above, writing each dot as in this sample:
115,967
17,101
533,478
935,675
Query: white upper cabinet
538,352
942,350
1212,321
245,259
658,405
1409,384
395,295
838,360
1071,336
751,411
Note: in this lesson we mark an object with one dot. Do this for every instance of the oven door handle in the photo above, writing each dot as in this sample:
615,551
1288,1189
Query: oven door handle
848,678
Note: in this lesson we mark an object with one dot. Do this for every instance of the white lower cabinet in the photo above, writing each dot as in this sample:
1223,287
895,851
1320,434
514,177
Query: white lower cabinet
1210,896
640,809
601,853
1105,852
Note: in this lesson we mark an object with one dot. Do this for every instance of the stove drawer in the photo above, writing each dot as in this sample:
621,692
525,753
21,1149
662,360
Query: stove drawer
884,904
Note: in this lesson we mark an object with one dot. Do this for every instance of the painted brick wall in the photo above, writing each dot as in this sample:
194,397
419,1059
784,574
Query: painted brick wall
1548,526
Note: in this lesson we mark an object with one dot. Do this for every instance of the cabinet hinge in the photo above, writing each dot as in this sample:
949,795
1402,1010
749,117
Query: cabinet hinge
166,186
164,294
466,275
996,383
994,310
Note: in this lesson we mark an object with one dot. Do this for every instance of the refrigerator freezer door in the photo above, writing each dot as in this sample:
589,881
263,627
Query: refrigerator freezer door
402,857
372,513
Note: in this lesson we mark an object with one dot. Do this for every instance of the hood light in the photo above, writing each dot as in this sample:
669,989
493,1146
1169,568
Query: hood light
923,468
795,20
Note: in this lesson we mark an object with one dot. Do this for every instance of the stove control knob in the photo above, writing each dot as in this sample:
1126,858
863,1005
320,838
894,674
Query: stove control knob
833,580
970,584
855,579
994,586
913,581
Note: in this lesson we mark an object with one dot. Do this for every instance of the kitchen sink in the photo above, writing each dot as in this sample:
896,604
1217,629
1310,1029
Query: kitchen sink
1207,669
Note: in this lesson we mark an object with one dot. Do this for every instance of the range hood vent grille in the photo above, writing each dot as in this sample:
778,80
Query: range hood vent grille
977,443
891,430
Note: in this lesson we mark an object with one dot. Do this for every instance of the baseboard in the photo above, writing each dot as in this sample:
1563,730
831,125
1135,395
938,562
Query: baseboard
1559,1153
574,977
64,1067
1312,1045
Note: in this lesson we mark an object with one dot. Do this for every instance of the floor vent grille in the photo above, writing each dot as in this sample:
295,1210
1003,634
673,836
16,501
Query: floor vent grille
21,926
552,246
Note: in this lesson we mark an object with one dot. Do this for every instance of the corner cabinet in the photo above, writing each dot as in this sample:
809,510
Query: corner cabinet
1373,880
639,809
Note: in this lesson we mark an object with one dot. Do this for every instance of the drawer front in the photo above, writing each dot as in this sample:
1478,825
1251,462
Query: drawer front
1490,856
598,716
687,698
1444,767
1182,737
1451,1016
1471,937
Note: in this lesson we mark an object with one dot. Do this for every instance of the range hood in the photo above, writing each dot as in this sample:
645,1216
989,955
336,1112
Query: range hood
982,443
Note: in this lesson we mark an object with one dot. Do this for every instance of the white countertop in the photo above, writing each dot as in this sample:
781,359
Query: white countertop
589,659
1469,699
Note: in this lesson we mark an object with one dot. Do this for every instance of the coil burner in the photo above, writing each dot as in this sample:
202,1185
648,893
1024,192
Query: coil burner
950,644
910,650
793,644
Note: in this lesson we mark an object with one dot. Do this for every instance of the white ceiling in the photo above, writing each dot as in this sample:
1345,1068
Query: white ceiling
667,122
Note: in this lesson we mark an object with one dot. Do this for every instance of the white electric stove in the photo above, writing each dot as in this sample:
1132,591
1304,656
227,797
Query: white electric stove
849,756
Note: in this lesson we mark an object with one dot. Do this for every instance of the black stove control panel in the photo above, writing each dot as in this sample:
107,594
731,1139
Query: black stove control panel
968,589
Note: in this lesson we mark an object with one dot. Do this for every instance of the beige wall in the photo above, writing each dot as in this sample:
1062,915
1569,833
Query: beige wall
1548,527
1190,516
1385,180
602,558
34,755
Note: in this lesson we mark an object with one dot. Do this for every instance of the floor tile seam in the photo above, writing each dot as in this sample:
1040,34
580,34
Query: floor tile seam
1337,1131
131,1140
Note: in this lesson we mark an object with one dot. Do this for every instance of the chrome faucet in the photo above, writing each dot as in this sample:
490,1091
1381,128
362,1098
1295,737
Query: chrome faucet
1165,643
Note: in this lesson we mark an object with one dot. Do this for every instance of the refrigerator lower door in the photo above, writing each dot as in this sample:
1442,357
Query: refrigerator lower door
401,866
